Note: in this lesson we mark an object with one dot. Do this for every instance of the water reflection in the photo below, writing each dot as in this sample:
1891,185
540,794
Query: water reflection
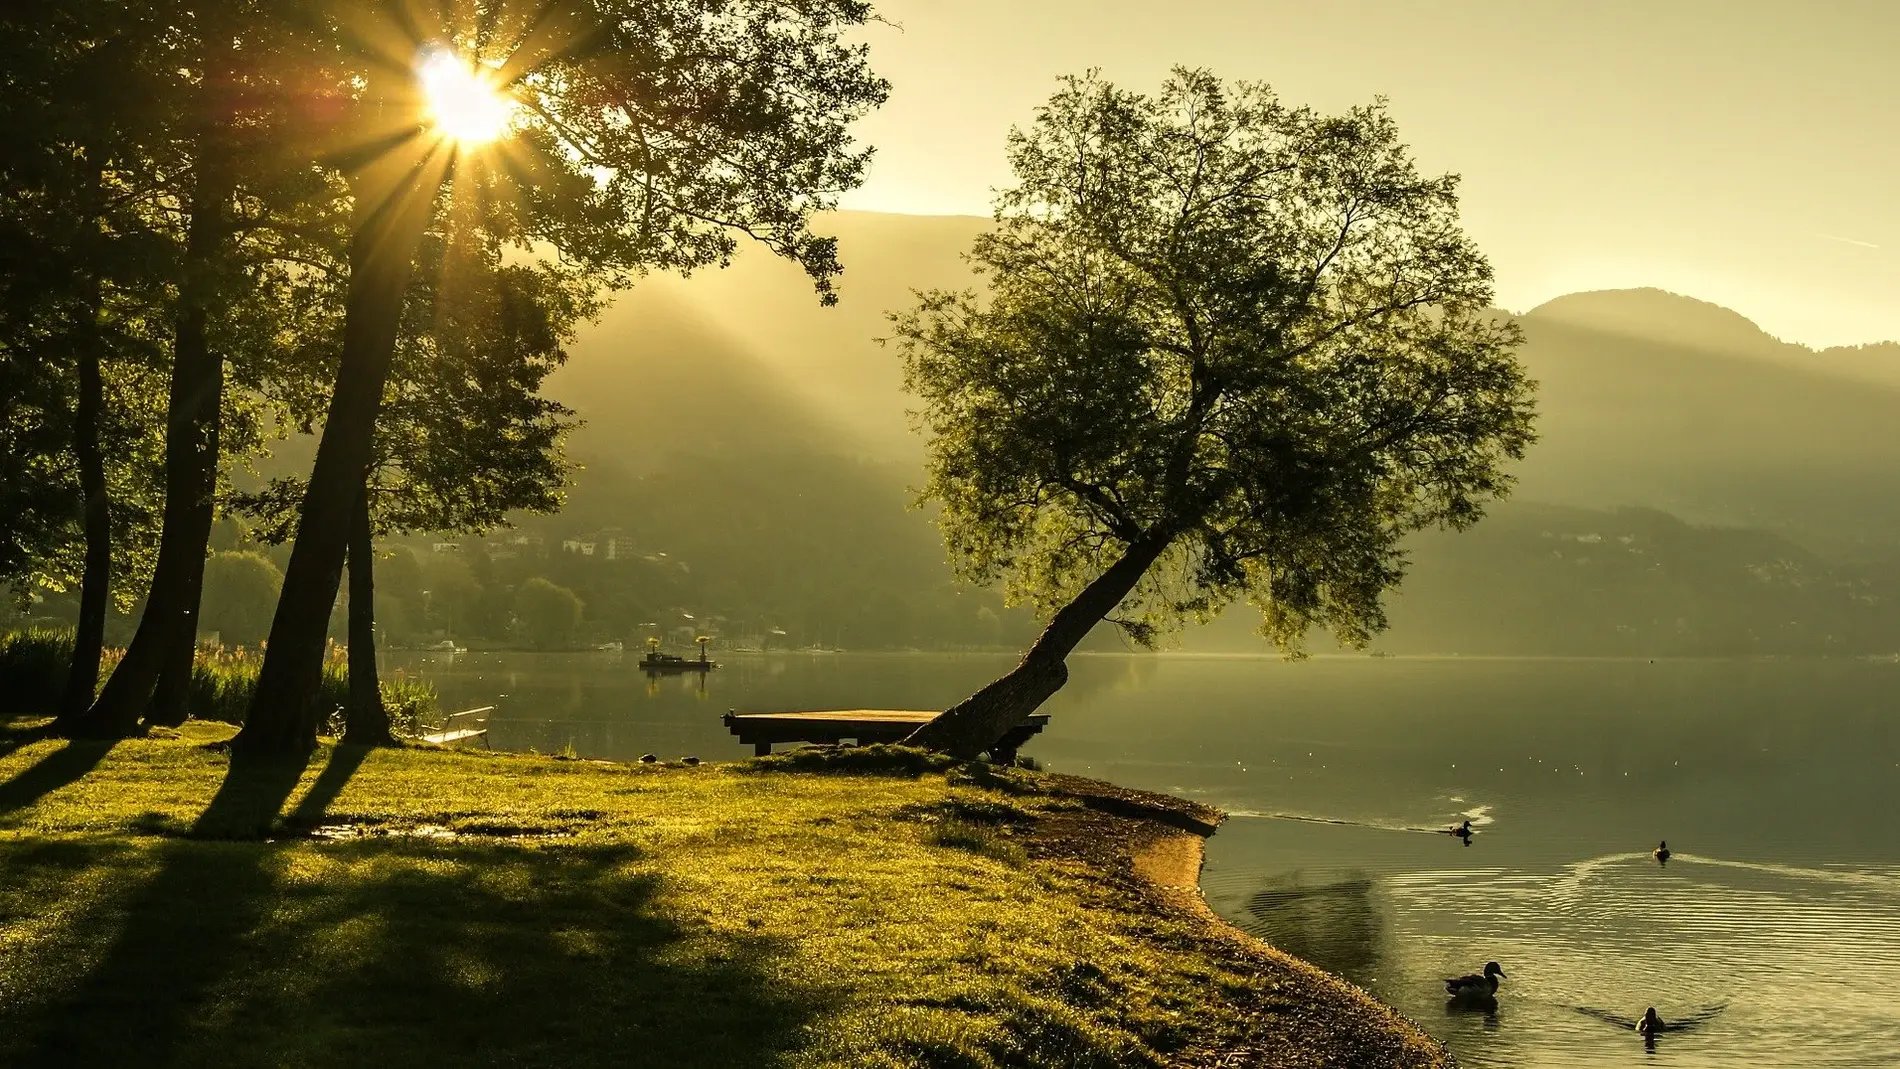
1325,918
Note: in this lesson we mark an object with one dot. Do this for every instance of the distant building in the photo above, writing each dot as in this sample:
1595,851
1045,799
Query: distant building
615,544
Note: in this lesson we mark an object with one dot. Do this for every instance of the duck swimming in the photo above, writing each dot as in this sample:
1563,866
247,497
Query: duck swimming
1650,1024
1662,852
1476,985
1462,831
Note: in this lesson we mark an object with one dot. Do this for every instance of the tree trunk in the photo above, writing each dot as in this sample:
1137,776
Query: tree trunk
980,721
365,721
191,463
392,211
178,650
82,677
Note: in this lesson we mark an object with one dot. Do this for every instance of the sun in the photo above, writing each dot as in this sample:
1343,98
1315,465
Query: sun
463,104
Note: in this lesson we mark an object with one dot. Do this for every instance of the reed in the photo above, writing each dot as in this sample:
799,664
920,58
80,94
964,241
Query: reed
33,670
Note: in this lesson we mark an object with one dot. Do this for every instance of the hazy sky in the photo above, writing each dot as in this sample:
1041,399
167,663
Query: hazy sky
1741,151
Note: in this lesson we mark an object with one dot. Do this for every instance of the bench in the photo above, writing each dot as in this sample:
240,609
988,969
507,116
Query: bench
461,727
833,726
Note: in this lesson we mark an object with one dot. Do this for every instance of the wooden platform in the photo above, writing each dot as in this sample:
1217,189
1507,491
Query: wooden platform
764,730
465,726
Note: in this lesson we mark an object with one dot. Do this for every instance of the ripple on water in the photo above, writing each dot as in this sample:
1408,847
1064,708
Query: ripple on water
1803,963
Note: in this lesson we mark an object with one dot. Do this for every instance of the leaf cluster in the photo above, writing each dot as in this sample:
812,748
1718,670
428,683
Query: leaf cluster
1250,331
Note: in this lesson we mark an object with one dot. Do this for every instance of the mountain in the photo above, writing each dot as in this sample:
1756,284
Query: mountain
745,359
1647,398
735,424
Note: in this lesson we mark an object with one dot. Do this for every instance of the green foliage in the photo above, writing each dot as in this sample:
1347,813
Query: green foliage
1248,333
689,123
33,671
240,593
84,262
547,614
33,668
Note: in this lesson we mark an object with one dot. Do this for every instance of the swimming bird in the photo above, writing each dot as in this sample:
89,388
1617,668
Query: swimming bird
1462,831
1662,852
689,760
1650,1024
647,758
1476,985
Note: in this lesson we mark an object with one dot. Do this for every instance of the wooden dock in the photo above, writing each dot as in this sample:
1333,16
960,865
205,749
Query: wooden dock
465,726
764,730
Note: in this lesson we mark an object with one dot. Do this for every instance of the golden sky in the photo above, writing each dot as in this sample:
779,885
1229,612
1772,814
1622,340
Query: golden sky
1745,152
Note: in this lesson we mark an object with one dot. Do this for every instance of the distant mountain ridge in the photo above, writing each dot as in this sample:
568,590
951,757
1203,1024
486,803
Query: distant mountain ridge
1663,317
1647,399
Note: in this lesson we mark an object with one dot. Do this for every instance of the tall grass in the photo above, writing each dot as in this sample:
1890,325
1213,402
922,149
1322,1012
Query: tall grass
33,671
33,664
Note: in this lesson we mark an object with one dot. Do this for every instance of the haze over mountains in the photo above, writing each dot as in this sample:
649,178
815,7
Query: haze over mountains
736,424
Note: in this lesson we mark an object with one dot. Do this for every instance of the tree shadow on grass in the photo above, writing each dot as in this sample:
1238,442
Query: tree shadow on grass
410,952
50,773
255,789
175,939
343,763
19,732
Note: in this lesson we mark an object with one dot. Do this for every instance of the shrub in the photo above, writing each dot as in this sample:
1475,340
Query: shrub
33,670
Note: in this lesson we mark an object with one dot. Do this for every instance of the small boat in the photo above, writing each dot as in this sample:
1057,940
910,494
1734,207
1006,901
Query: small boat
656,663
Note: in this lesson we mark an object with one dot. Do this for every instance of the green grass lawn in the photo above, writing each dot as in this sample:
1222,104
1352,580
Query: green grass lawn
418,907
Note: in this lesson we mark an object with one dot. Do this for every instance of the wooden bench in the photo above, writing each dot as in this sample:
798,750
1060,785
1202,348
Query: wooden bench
461,727
764,730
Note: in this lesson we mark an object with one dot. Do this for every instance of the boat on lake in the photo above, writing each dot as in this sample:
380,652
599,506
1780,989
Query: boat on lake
658,662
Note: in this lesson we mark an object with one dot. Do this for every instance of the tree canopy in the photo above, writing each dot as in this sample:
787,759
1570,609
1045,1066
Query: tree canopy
1228,348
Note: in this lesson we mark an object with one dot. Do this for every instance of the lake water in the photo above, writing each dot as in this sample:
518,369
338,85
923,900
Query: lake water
1776,783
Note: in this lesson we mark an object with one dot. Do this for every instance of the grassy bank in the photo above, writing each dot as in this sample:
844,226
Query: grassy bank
423,907
33,672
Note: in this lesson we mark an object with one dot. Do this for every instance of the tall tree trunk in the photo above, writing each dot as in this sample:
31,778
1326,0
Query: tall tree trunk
980,721
392,212
365,721
170,704
82,677
191,461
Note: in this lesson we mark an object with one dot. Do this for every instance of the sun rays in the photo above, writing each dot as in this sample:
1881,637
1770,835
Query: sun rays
462,103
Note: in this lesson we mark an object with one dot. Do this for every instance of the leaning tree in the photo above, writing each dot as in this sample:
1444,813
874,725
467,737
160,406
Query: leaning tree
1229,348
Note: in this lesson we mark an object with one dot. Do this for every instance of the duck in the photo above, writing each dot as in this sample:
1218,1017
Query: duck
1477,985
1463,831
1650,1024
647,758
689,760
1662,852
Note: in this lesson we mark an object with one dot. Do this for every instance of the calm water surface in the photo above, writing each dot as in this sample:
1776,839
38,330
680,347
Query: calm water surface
1775,782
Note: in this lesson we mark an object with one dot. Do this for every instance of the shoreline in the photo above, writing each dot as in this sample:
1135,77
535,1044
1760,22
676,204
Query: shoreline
871,905
1163,842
